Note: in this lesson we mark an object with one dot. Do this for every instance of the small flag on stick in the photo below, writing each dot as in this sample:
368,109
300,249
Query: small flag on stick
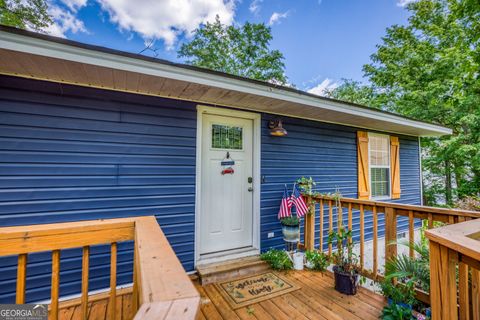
300,204
286,205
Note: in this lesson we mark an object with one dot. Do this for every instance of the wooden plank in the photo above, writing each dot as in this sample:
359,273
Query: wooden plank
411,234
464,304
390,233
375,242
330,224
73,239
222,306
362,236
161,276
85,276
207,307
476,294
113,280
350,220
55,284
339,215
321,225
309,234
430,221
21,278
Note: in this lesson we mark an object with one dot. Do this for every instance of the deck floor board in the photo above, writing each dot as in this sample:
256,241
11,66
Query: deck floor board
316,299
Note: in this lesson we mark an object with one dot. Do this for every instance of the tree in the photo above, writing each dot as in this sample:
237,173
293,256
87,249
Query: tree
25,14
242,51
355,92
428,70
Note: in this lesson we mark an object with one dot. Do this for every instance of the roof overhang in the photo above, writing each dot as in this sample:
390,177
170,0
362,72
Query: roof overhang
37,56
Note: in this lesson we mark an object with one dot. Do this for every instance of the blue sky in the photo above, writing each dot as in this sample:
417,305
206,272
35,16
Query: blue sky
323,41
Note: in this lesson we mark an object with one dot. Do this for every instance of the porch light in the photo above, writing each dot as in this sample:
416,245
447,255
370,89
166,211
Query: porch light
276,128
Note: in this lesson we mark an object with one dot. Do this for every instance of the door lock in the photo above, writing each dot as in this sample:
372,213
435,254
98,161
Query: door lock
250,179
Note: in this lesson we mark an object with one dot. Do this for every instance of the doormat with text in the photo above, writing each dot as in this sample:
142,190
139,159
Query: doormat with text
243,292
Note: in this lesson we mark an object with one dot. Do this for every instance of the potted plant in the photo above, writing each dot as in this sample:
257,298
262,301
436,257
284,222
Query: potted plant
345,262
306,185
316,260
290,229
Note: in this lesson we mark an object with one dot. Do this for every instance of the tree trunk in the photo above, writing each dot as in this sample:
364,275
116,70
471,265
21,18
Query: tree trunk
448,182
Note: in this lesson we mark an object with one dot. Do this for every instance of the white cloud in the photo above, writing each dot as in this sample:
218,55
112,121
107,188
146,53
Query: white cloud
403,3
322,88
276,16
166,19
74,5
63,21
255,6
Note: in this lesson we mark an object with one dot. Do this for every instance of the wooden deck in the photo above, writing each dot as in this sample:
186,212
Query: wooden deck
316,299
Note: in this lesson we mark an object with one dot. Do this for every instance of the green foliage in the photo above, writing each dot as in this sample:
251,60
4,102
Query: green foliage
306,185
428,70
25,14
343,257
242,51
318,260
291,221
277,259
396,312
355,92
398,294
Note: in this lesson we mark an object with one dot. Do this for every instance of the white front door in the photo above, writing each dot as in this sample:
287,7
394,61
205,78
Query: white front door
226,215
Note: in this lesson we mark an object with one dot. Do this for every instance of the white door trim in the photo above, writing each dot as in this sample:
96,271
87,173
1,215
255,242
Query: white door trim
256,117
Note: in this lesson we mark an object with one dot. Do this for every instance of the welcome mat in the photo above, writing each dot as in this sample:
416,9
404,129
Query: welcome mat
243,292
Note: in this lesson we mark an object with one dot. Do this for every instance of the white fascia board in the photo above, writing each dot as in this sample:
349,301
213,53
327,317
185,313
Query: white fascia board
52,49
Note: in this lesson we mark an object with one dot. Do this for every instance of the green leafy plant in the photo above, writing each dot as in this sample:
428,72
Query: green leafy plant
398,293
344,257
277,259
414,272
291,221
318,260
306,185
396,312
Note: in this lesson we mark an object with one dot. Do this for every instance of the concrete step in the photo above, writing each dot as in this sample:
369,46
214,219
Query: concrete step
231,269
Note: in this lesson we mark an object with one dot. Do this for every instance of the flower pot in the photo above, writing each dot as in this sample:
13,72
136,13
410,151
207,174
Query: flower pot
345,282
291,233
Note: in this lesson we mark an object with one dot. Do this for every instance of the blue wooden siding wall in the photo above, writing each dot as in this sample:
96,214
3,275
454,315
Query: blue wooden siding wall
327,153
69,153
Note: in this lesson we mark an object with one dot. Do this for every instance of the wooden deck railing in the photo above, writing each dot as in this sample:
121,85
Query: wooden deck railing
161,288
455,248
373,209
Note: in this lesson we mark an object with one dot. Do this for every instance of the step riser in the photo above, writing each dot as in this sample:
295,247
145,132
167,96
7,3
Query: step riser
233,274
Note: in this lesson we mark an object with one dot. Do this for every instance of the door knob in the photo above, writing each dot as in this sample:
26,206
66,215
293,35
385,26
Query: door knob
250,189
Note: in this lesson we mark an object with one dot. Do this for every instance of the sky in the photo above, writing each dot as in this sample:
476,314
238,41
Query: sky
323,41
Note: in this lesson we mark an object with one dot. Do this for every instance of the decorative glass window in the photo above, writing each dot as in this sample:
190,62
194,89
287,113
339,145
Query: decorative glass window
379,160
227,137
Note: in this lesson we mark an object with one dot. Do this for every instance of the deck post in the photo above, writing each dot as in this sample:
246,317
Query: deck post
390,233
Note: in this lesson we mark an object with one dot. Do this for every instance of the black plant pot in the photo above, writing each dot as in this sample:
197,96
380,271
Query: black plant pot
345,282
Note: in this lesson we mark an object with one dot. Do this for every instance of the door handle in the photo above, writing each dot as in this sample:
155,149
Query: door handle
250,189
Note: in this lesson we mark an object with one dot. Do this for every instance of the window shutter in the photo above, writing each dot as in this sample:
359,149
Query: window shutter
362,158
395,166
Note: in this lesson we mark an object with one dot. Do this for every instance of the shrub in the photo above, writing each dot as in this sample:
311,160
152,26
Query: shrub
396,312
277,259
318,260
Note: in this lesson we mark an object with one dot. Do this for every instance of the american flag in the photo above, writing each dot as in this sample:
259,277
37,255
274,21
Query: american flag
300,205
285,206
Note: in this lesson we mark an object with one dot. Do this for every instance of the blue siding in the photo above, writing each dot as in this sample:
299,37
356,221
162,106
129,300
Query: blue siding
328,153
69,153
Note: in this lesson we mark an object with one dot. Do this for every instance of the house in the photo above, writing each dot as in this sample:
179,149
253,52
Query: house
88,133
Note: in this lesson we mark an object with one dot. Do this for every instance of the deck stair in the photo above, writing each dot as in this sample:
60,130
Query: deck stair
232,269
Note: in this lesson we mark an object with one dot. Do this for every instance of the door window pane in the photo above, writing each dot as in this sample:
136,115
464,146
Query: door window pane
227,137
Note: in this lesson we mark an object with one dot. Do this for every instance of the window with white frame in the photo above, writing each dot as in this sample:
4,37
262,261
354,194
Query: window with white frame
379,160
